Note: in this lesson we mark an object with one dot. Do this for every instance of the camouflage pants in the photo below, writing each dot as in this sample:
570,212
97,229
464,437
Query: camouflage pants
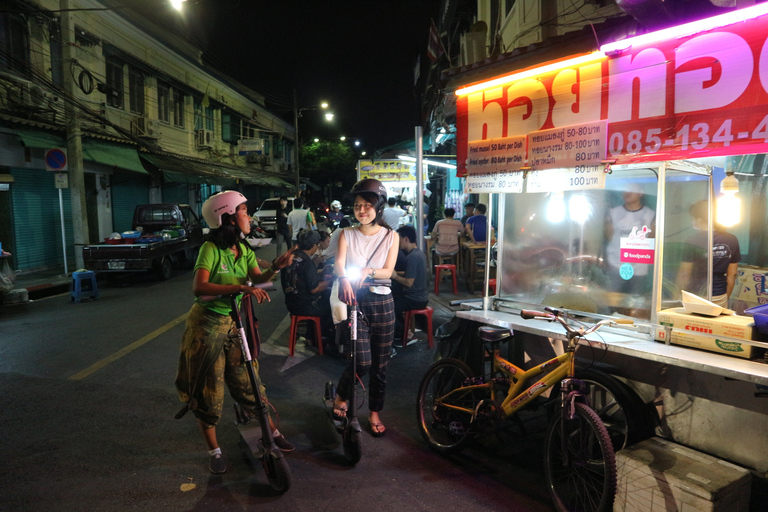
210,359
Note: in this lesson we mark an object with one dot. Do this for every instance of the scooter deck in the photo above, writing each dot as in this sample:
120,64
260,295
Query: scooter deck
251,436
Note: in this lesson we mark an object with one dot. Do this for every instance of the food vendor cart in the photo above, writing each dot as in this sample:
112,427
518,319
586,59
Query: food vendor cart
569,152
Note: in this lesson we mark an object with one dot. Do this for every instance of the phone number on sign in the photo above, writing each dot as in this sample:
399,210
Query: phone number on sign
688,136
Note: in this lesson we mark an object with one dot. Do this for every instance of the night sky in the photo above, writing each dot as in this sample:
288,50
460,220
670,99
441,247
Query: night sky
358,55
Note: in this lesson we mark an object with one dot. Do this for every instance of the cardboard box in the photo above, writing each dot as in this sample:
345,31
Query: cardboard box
751,286
702,332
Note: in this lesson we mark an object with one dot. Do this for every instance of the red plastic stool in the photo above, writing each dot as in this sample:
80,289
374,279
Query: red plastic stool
295,319
427,312
492,285
445,266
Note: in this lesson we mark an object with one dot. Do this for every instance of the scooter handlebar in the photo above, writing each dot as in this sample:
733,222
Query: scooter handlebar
269,286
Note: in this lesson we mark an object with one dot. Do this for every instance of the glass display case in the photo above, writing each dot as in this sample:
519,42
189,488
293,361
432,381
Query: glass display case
616,250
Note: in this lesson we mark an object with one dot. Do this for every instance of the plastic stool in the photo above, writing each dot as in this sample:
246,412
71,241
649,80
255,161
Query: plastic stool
427,312
83,281
295,319
492,286
440,267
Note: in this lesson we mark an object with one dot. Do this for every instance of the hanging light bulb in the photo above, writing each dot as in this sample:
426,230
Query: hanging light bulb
728,204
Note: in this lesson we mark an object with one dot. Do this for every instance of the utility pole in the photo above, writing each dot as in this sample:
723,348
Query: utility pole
296,142
74,137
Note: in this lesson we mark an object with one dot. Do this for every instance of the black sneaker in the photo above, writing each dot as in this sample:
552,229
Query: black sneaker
217,464
282,443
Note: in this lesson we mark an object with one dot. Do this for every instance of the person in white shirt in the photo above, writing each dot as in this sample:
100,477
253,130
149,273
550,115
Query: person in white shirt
392,214
298,219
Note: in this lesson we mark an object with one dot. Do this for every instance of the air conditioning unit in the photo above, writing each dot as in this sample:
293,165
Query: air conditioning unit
145,127
32,95
204,138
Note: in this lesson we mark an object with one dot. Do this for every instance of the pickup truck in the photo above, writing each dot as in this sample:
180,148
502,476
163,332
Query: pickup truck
164,234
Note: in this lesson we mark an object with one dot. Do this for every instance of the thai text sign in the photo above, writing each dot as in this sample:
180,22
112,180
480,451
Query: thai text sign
703,94
494,165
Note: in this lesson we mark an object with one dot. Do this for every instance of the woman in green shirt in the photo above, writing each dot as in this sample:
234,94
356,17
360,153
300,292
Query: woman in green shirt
210,357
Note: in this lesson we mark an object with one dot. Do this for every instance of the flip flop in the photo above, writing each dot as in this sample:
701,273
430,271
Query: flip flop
377,428
339,412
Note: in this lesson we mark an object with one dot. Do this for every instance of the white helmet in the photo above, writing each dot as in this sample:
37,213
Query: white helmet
219,204
336,204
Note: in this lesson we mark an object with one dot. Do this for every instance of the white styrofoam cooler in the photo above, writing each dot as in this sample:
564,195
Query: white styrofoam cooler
659,475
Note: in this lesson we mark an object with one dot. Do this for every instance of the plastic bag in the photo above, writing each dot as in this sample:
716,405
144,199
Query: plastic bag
338,308
7,277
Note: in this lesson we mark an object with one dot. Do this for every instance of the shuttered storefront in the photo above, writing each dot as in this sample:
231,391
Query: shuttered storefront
128,191
37,220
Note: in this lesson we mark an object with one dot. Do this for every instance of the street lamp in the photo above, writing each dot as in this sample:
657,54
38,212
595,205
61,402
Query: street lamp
296,114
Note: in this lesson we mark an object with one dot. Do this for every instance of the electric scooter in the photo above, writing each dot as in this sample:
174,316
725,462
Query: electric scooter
272,459
349,426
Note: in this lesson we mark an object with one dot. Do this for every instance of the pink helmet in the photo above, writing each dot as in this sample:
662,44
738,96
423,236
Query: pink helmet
219,204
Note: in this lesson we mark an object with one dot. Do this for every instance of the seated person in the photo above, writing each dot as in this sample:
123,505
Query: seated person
446,233
333,243
477,225
307,293
412,281
325,240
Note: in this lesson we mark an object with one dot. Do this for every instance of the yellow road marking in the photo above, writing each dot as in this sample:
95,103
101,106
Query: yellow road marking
127,349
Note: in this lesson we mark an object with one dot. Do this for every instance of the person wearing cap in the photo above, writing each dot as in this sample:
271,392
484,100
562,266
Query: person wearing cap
368,252
306,291
209,358
631,216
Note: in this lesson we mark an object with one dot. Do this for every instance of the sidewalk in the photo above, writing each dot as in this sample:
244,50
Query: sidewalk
37,285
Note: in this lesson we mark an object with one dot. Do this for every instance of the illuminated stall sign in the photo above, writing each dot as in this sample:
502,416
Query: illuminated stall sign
387,171
696,90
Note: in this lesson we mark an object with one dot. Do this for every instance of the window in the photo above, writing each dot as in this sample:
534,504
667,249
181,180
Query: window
14,44
203,116
114,83
163,102
136,90
230,127
57,65
178,108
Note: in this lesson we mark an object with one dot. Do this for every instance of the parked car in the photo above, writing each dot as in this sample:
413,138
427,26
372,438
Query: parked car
163,235
266,214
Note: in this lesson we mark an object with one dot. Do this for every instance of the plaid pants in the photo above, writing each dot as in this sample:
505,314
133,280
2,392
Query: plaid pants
375,331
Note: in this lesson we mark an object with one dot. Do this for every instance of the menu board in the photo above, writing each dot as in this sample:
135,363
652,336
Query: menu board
494,165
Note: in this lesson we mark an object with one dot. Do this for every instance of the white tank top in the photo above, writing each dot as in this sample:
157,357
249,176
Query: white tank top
360,247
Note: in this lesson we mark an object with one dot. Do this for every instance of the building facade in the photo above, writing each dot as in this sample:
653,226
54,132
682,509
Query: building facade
103,111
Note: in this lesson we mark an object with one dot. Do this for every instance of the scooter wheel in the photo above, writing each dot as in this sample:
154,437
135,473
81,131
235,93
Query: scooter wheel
353,446
277,470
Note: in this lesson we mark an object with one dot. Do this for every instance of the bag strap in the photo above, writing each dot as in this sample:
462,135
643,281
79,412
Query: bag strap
377,247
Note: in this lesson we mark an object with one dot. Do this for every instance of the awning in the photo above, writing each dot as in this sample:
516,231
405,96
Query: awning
309,183
111,155
186,171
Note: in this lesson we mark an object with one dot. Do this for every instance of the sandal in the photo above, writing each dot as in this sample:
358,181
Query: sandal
377,428
339,411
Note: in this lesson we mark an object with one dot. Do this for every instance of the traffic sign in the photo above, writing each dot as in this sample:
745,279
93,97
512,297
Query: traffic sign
55,160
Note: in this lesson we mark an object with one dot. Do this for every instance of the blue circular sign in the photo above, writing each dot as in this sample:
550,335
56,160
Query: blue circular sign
55,159
626,271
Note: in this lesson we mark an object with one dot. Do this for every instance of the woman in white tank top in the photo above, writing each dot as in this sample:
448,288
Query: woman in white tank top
368,250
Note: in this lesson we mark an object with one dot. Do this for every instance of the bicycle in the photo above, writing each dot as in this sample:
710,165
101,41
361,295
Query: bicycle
272,459
579,461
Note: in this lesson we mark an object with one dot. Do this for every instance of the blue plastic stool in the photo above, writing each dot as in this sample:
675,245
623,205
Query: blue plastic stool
84,281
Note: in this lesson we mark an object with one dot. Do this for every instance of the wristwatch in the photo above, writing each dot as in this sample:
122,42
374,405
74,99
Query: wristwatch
373,272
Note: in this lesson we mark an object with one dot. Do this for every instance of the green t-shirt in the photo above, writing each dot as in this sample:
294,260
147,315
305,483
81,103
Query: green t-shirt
224,269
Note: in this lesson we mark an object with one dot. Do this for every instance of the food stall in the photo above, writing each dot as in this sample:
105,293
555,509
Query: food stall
592,164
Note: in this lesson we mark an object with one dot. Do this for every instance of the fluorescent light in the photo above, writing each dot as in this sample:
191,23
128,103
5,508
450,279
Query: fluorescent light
575,61
688,28
177,4
426,162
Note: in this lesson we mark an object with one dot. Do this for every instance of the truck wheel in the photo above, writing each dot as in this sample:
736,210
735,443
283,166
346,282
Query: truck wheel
164,269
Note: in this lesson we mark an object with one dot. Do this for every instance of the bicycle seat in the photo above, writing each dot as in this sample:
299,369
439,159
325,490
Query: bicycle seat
492,333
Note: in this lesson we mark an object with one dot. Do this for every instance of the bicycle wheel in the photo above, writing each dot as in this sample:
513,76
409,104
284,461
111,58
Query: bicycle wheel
618,407
579,463
277,470
444,427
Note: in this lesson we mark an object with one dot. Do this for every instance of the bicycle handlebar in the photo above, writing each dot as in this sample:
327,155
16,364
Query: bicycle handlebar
553,314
